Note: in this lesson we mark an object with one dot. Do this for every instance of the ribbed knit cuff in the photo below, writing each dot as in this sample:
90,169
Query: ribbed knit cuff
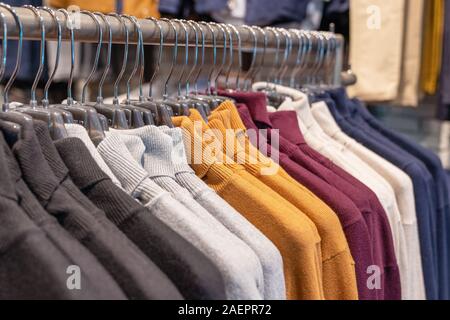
133,177
78,131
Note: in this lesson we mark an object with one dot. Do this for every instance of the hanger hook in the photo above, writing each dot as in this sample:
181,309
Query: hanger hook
160,51
124,59
236,31
141,61
224,55
10,82
72,56
208,25
298,57
230,65
193,26
97,54
33,100
277,56
287,53
57,21
202,33
4,45
254,51
108,57
186,53
261,65
175,55
137,27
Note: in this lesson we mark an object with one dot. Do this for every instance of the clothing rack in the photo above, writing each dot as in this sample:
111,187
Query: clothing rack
86,30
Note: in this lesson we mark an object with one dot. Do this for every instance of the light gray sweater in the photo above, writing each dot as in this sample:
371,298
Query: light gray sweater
238,264
165,147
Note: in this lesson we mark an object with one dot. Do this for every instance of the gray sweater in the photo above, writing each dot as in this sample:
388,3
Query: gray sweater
165,147
240,267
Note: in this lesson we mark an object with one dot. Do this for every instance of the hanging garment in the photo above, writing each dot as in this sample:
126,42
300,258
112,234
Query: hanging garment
378,67
350,217
161,158
422,180
434,165
294,235
404,192
258,101
432,47
444,108
188,268
88,224
409,87
137,8
28,251
335,253
238,264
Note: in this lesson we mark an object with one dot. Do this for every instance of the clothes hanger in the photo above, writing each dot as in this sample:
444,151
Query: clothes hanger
163,108
134,115
52,117
160,114
299,57
252,75
82,114
15,125
14,129
116,116
254,52
68,117
179,106
284,66
239,60
200,106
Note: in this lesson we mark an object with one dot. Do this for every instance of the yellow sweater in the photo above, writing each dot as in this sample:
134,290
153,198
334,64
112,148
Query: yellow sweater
138,8
290,230
339,279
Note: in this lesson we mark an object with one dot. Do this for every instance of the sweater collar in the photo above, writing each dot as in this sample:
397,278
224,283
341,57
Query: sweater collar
49,151
256,103
287,123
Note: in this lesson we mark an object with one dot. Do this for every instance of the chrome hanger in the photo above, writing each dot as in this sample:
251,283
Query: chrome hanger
116,116
254,52
52,117
82,114
14,125
238,36
257,70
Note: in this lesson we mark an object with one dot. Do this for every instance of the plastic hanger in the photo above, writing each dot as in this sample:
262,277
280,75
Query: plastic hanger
83,115
53,117
15,125
116,116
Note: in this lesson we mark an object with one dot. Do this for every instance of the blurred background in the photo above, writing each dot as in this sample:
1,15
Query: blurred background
399,51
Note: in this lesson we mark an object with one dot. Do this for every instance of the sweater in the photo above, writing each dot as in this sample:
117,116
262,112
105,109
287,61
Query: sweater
294,235
351,219
242,277
189,269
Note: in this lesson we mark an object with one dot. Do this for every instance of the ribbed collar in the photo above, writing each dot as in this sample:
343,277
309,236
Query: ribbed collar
246,117
7,188
156,156
134,178
49,151
287,123
341,99
179,156
234,117
325,118
83,169
256,103
35,169
78,131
